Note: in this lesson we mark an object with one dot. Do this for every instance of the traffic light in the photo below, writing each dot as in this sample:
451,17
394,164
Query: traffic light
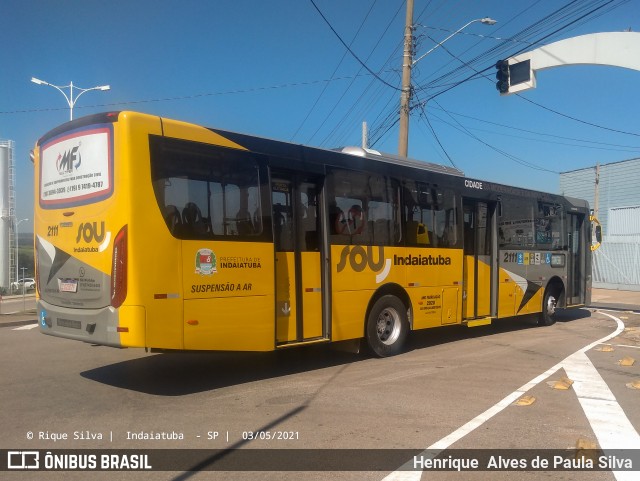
502,75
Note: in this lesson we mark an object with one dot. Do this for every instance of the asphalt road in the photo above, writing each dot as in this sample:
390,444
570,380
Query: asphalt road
453,388
16,304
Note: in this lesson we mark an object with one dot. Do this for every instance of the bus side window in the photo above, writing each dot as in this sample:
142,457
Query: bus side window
420,214
244,224
173,219
205,192
244,219
194,224
282,223
431,215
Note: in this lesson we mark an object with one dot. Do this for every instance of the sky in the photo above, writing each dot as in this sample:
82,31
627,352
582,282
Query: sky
278,69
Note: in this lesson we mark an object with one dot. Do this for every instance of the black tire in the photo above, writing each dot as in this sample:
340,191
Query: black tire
549,303
387,326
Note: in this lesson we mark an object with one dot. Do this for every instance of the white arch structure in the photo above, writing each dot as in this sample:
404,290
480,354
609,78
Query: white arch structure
617,49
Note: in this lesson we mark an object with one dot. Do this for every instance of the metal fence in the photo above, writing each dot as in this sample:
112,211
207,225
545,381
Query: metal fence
616,264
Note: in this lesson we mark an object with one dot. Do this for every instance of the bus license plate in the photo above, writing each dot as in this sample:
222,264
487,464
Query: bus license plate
68,285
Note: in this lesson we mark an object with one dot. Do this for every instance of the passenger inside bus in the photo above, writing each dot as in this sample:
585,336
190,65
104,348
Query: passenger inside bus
195,226
173,219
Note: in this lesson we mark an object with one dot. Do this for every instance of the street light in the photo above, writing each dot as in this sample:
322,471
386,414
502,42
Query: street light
17,249
485,20
408,63
70,100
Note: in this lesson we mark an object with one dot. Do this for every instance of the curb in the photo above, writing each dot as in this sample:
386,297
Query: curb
18,323
616,307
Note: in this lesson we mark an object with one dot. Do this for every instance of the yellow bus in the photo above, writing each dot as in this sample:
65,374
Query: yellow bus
165,235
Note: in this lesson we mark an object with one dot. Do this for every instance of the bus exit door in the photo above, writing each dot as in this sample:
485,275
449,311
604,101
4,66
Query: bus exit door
480,252
300,306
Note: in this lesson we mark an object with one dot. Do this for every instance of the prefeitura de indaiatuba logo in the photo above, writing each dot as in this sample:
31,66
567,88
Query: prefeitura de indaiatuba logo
206,262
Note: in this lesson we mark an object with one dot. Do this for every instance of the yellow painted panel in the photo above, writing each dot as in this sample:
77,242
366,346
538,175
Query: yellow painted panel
429,267
484,286
481,321
134,319
155,257
232,324
434,306
532,306
286,308
228,288
185,130
349,310
450,312
369,267
311,294
427,306
165,322
226,269
468,301
507,299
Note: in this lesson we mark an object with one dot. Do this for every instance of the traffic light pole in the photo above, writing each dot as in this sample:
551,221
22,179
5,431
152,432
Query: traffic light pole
616,49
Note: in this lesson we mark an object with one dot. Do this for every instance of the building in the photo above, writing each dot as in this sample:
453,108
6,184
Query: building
616,263
7,215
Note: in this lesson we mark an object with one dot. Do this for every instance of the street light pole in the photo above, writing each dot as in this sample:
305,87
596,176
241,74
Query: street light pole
17,248
70,100
23,301
408,63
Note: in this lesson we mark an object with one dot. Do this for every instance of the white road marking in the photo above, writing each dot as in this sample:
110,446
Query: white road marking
25,328
608,420
605,415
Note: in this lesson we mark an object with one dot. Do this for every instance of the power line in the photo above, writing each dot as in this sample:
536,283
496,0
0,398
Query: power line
324,89
577,119
628,148
189,97
519,160
350,110
423,114
479,35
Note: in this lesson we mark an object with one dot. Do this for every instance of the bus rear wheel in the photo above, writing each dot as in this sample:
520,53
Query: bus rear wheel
387,326
549,303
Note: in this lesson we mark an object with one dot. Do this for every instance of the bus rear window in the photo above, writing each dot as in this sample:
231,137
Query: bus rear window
76,167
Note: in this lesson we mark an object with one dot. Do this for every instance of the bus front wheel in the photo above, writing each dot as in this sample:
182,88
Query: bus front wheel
549,303
387,326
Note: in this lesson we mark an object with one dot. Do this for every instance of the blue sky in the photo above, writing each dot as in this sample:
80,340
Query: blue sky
275,69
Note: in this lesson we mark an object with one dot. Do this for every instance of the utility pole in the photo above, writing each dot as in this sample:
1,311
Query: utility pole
407,63
596,197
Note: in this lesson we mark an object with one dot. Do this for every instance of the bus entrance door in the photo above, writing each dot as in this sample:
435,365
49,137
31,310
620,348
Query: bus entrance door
576,282
480,251
300,308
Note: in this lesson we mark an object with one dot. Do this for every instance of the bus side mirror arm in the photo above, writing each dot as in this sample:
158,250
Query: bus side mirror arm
598,232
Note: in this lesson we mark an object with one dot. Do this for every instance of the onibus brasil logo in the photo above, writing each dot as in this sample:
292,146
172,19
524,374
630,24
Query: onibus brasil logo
206,262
